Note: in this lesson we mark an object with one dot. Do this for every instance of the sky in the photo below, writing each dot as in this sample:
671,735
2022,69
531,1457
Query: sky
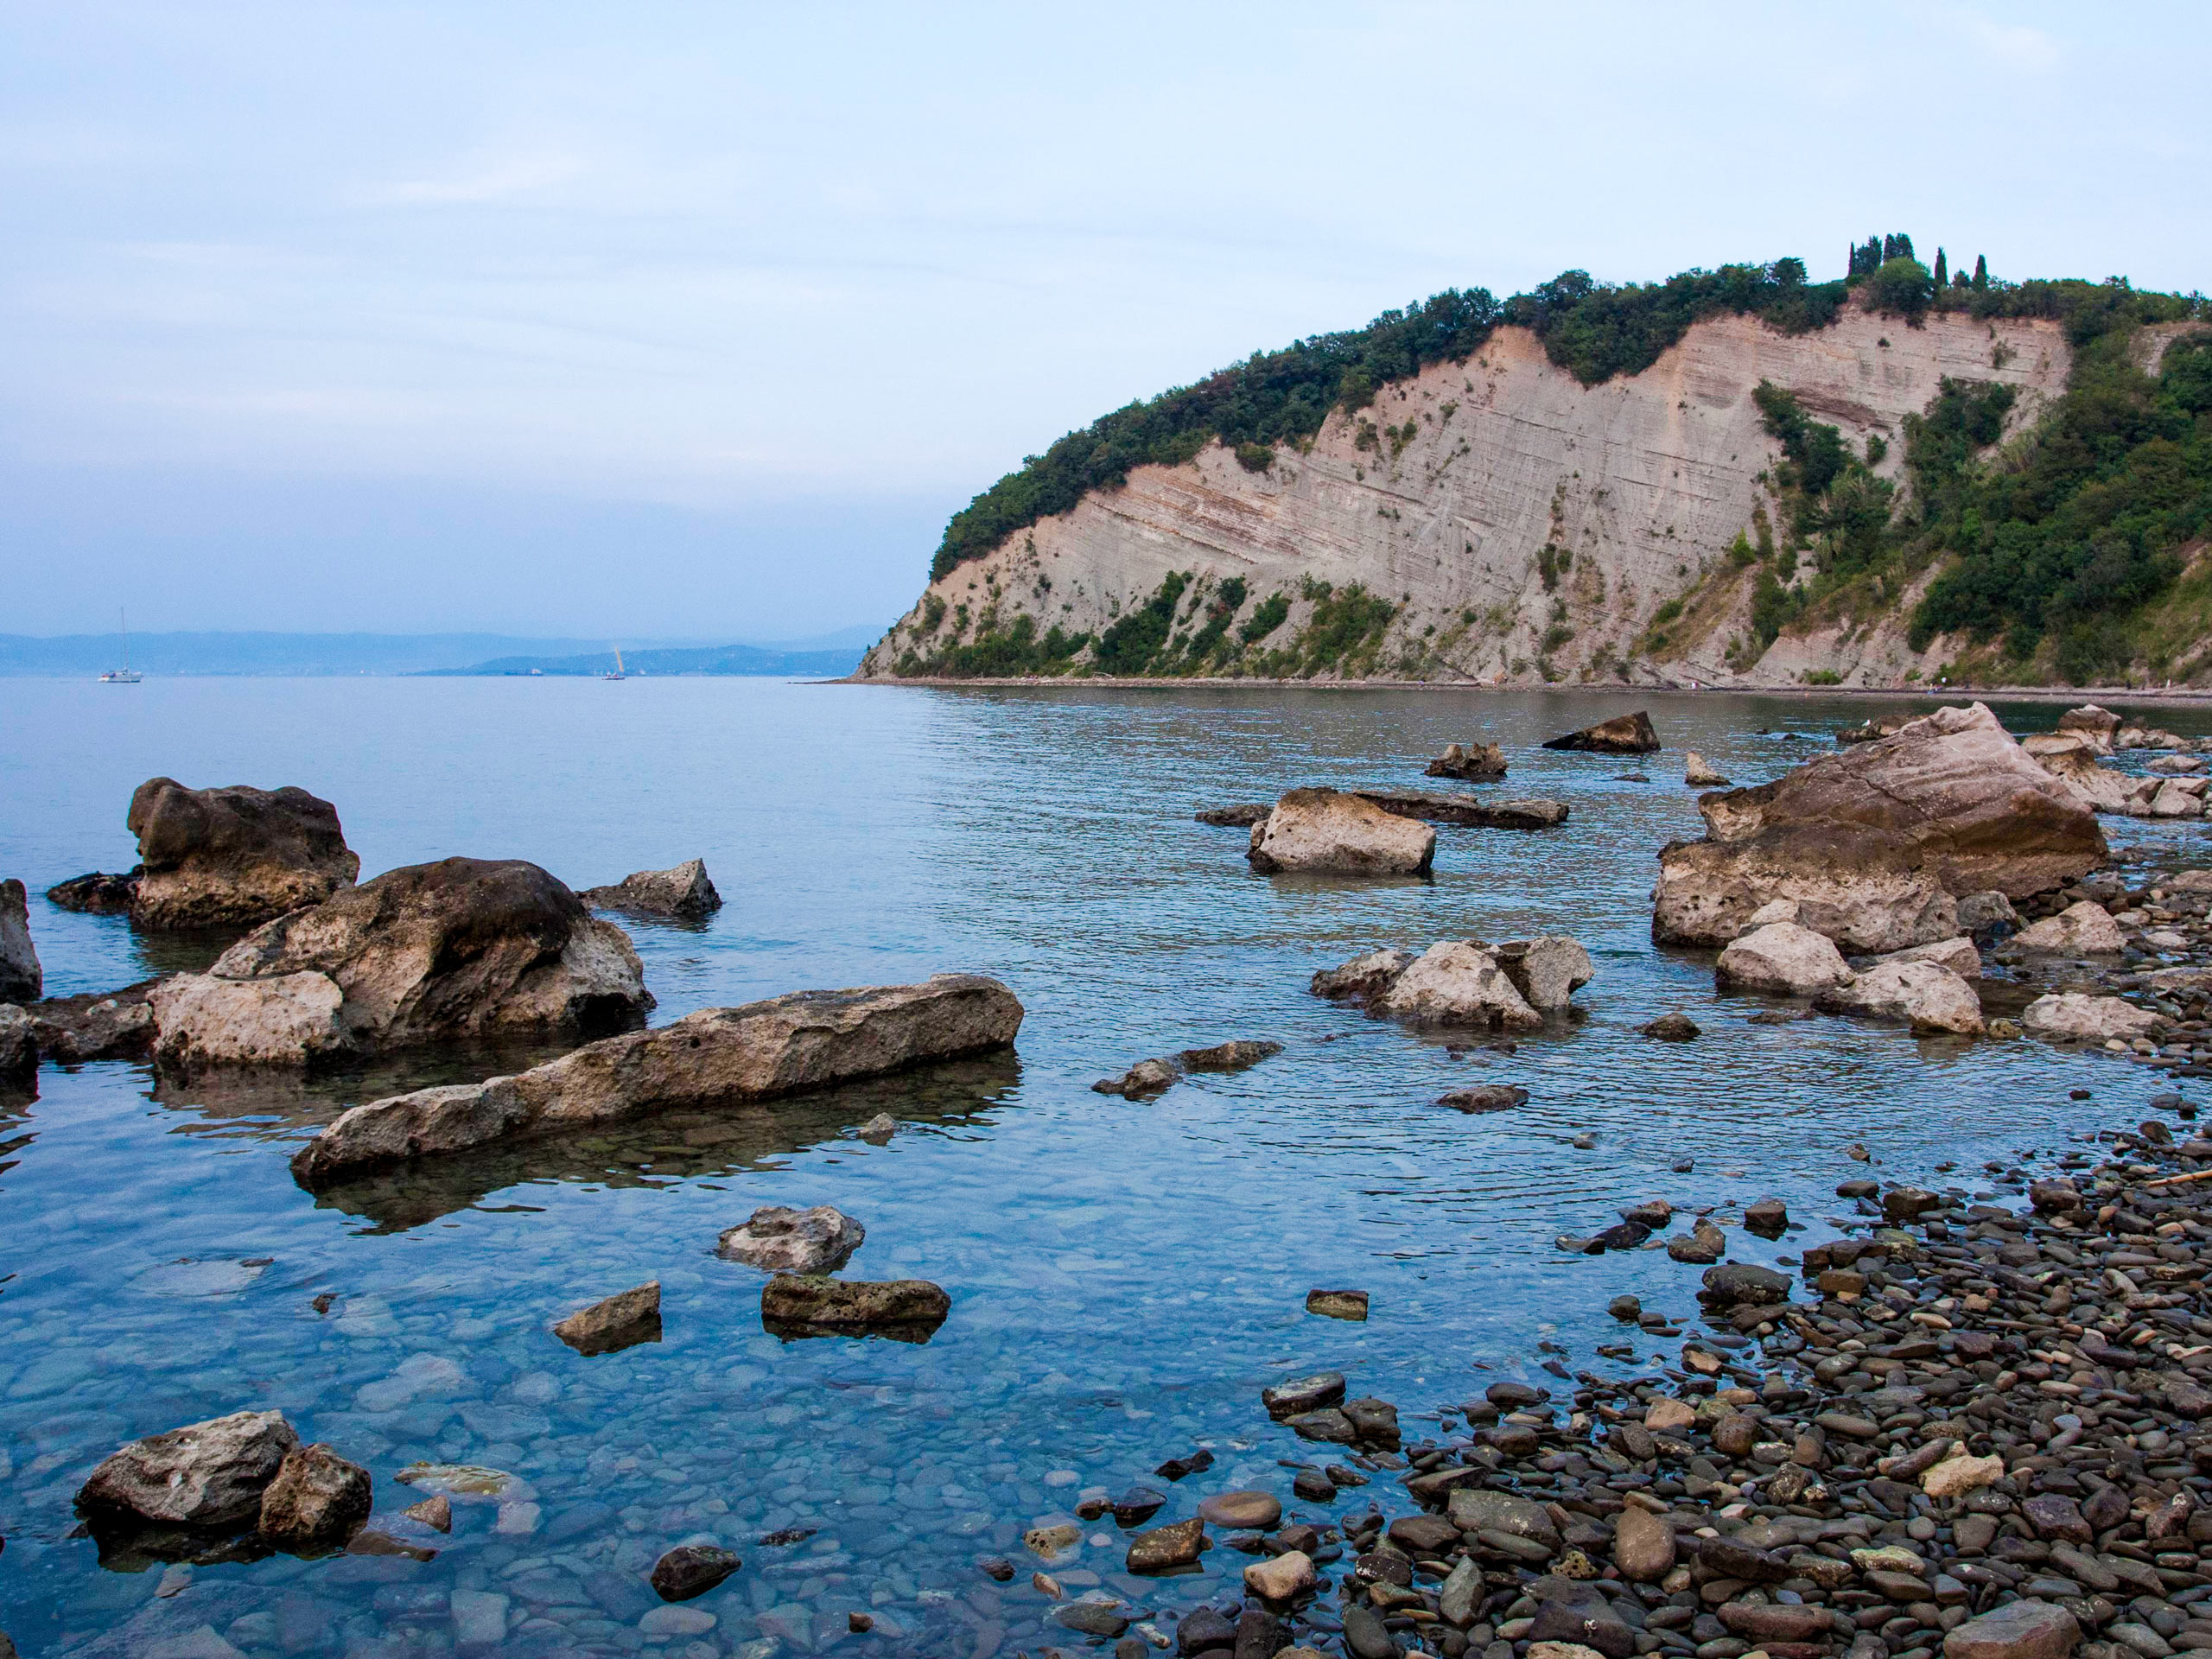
686,320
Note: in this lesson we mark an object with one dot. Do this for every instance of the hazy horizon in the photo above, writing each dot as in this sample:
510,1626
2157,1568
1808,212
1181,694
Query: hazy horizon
699,322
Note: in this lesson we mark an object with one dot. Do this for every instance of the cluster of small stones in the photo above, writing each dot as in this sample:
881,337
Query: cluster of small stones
1978,1433
2164,929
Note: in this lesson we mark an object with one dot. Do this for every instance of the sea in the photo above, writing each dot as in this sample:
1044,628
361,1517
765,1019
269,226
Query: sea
1125,1277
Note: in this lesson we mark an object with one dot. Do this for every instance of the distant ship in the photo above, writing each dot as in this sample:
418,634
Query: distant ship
617,673
126,674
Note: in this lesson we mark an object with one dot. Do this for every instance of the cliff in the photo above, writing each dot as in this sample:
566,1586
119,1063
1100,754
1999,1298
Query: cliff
1497,519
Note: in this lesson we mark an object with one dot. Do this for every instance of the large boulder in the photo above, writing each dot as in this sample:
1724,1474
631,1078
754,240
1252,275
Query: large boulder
235,856
683,892
1622,734
427,951
717,1058
2095,726
1458,982
1781,957
210,1474
2072,758
1925,995
1469,761
1545,970
1321,831
2079,1017
2085,928
21,980
1874,842
287,1019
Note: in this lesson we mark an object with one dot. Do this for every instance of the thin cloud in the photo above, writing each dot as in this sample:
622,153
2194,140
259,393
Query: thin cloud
2020,45
493,180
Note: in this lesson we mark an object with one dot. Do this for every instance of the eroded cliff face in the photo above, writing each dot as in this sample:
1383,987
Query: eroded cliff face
1501,521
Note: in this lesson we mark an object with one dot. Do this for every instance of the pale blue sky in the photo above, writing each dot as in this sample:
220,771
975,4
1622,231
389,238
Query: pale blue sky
687,319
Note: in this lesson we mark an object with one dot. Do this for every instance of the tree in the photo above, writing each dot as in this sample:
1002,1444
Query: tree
1790,273
1901,285
1942,269
1981,273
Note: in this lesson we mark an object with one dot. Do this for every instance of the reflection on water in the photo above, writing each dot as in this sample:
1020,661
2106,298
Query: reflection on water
1124,1277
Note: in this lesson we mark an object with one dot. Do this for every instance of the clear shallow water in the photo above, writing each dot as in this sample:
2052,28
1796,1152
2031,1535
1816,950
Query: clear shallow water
1124,1277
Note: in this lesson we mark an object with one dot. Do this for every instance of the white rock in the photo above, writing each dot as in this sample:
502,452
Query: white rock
1458,982
2178,765
2072,758
1782,957
1323,832
2179,798
288,1021
2085,928
2070,1014
1775,910
1698,775
1926,994
1958,955
780,1240
1547,971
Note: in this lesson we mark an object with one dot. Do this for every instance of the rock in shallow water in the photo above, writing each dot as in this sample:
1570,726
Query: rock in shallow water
317,1500
1338,1304
621,1321
797,1304
1622,734
234,857
1675,1027
1458,982
1321,831
780,1240
209,1474
21,980
1783,959
692,1570
1485,1097
1164,1548
684,892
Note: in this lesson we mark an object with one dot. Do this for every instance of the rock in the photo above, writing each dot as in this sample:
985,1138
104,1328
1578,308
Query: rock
1643,1546
1163,1548
1768,1218
1545,970
290,1020
1320,831
1242,1055
1956,1476
621,1321
1781,957
1458,982
2097,726
210,1474
2178,765
96,894
21,980
1675,1027
435,1513
1503,1512
1485,1097
1470,811
683,892
1242,1511
1763,1622
1669,1416
2073,762
1698,775
1740,1284
2054,1197
2091,1019
465,946
1986,915
1201,1629
714,1058
1872,841
70,1030
18,1043
879,1129
1093,1618
1298,1395
1336,1305
1704,1243
2085,929
1374,1422
1149,1077
1623,735
318,1500
1234,818
232,857
1903,1205
1364,978
1471,761
1140,1082
2177,797
1958,955
2018,1629
692,1570
1927,996
779,1240
911,1309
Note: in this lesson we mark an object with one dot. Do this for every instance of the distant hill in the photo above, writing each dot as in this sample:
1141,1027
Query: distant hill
172,655
665,661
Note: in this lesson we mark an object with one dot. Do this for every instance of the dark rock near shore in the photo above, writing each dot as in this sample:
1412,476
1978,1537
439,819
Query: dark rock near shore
233,856
1242,816
18,1047
692,1570
317,1501
1675,1027
1298,1395
1485,1097
97,895
1469,761
116,1026
21,980
684,892
1737,1284
1622,734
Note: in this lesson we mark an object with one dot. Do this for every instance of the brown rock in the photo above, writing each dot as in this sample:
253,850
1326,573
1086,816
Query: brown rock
209,1474
435,1513
317,1500
1422,1536
1286,1577
2019,1630
1322,831
1643,1546
1468,762
716,1058
690,1570
21,980
1242,1511
797,1304
1163,1547
1873,842
1338,1304
621,1321
1622,734
683,892
232,857
1458,982
1765,1623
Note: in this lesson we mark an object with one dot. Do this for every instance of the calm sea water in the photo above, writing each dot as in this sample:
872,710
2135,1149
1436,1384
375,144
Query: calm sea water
1124,1278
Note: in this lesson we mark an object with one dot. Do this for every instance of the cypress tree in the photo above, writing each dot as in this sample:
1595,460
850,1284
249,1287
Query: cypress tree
1904,247
1942,269
1981,273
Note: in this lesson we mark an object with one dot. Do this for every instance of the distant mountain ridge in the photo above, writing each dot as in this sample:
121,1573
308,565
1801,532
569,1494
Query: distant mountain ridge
314,654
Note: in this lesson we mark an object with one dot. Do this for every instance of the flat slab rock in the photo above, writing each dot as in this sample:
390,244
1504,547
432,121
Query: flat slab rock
801,1305
713,1058
1437,806
623,1320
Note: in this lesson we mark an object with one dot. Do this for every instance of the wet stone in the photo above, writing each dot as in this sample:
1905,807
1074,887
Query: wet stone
692,1570
1338,1304
1298,1395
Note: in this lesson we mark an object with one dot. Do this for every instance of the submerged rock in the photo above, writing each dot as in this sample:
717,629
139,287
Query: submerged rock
780,1240
1783,959
683,892
692,1570
1623,735
1335,1305
233,856
716,1058
623,1320
1485,1097
796,1305
1240,816
21,980
97,895
1468,762
1148,1078
1458,982
317,1501
1874,842
210,1474
1321,831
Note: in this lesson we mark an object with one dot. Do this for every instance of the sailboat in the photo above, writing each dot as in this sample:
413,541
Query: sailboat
126,674
617,674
